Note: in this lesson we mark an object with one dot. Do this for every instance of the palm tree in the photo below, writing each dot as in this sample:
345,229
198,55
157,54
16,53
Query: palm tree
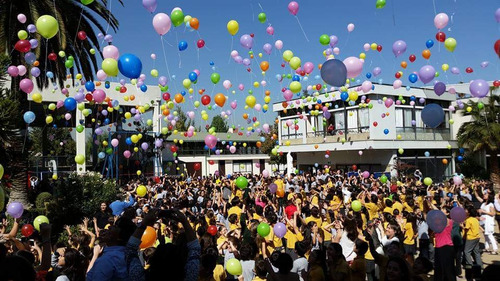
483,133
72,17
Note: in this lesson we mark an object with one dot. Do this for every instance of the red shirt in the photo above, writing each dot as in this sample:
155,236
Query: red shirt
290,210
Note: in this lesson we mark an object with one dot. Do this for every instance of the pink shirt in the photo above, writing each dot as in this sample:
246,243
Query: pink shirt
444,238
260,203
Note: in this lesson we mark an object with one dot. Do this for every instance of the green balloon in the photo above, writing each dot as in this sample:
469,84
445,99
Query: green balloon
39,220
427,181
80,128
383,179
263,229
109,150
380,4
262,17
215,77
86,2
68,63
177,17
324,39
356,206
241,182
480,105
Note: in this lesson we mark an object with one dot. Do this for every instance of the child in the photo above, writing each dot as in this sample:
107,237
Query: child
260,270
358,266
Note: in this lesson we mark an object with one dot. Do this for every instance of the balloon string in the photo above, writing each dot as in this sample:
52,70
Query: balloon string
166,63
232,41
434,4
302,28
109,19
78,26
456,62
394,13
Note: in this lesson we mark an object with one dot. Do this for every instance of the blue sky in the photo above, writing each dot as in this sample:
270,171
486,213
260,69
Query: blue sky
472,24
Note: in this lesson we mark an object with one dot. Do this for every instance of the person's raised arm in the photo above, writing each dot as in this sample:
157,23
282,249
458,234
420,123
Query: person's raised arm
45,231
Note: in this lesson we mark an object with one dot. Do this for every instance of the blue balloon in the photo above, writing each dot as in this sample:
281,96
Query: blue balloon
205,147
461,150
344,96
130,66
212,63
296,78
89,86
334,72
144,88
429,43
128,141
460,158
427,154
319,101
432,115
412,98
106,121
107,85
193,76
29,117
368,75
70,104
101,155
436,220
413,78
183,45
50,74
183,93
386,131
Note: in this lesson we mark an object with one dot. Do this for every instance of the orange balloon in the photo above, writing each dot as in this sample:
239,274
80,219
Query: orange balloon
148,238
404,64
98,83
166,112
178,98
445,161
220,99
194,23
36,63
251,56
426,54
264,65
320,66
258,144
316,146
132,97
245,116
268,93
280,192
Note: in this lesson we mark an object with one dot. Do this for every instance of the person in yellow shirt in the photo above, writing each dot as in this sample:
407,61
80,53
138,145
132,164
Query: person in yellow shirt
410,233
260,270
236,207
370,204
471,234
388,206
292,235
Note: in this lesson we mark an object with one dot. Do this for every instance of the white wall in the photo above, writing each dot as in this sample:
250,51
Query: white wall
388,122
370,156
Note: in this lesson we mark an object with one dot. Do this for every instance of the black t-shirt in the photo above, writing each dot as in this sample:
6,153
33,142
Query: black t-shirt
102,218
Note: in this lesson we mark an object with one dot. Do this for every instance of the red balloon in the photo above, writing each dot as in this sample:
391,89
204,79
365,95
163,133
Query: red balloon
197,166
327,152
318,87
166,96
375,124
123,89
82,35
212,230
412,58
497,47
354,167
205,100
379,48
173,148
27,230
200,43
496,83
469,70
52,56
211,162
23,46
157,179
89,97
397,75
440,36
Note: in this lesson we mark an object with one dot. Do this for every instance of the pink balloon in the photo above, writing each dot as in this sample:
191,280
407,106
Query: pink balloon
234,53
21,18
210,141
241,87
336,50
293,8
388,102
265,127
26,85
13,71
366,174
350,27
257,107
366,86
22,69
114,142
366,47
232,149
233,105
270,30
227,84
99,95
101,75
162,23
397,84
67,116
441,20
191,115
457,180
288,95
127,154
110,52
308,67
354,66
153,56
265,173
278,44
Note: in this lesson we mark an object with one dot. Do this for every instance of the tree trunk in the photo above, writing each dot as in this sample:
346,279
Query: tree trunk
494,169
19,177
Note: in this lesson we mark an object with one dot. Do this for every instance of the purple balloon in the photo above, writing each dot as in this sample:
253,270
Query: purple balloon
162,80
149,5
437,220
246,62
30,57
398,48
439,88
457,214
144,146
426,73
279,230
31,28
485,64
267,48
246,41
376,71
35,71
455,70
333,40
497,15
34,43
273,187
238,59
79,97
108,38
15,209
479,88
158,143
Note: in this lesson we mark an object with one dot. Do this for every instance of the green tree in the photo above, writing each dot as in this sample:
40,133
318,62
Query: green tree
483,133
183,122
56,136
219,124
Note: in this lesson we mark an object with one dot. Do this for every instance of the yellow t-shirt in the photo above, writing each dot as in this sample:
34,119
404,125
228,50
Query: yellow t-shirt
388,210
279,183
256,217
472,227
318,221
409,234
221,240
407,207
315,201
372,210
257,278
397,206
219,273
291,238
234,210
327,234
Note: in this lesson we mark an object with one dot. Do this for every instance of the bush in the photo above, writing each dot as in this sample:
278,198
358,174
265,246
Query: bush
79,196
41,199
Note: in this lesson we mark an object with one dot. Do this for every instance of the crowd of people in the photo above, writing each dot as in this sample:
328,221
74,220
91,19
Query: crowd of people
299,227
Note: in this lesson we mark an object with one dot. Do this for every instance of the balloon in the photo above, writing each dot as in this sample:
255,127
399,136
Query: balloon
263,229
110,66
295,63
497,15
23,46
279,230
86,2
162,23
39,220
278,44
376,71
26,85
356,206
212,230
439,88
334,72
441,36
436,220
450,44
29,117
15,209
366,174
262,17
194,23
13,71
82,35
458,214
324,39
388,102
70,104
241,182
380,4
177,17
80,159
429,43
233,27
350,27
426,54
141,191
149,5
441,20
426,73
383,179
220,99
353,65
148,238
250,101
47,26
398,48
27,230
432,115
130,66
479,88
233,267
427,181
246,41
457,180
210,141
293,8
183,45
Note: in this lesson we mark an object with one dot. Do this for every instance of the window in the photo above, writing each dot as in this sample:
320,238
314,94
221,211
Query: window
339,120
242,166
352,119
364,117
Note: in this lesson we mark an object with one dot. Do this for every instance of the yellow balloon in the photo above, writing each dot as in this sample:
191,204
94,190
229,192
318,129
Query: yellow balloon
141,191
125,98
450,44
295,62
362,56
250,101
52,106
104,143
37,97
373,46
79,76
139,172
267,99
49,119
353,96
47,26
445,67
295,87
204,117
54,177
186,83
136,149
265,107
134,138
256,84
287,55
110,66
233,27
128,115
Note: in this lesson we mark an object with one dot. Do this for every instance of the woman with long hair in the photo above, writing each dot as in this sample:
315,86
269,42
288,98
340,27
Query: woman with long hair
487,212
72,265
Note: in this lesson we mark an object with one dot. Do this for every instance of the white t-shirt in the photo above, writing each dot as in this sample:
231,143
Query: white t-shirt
248,267
299,266
62,278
